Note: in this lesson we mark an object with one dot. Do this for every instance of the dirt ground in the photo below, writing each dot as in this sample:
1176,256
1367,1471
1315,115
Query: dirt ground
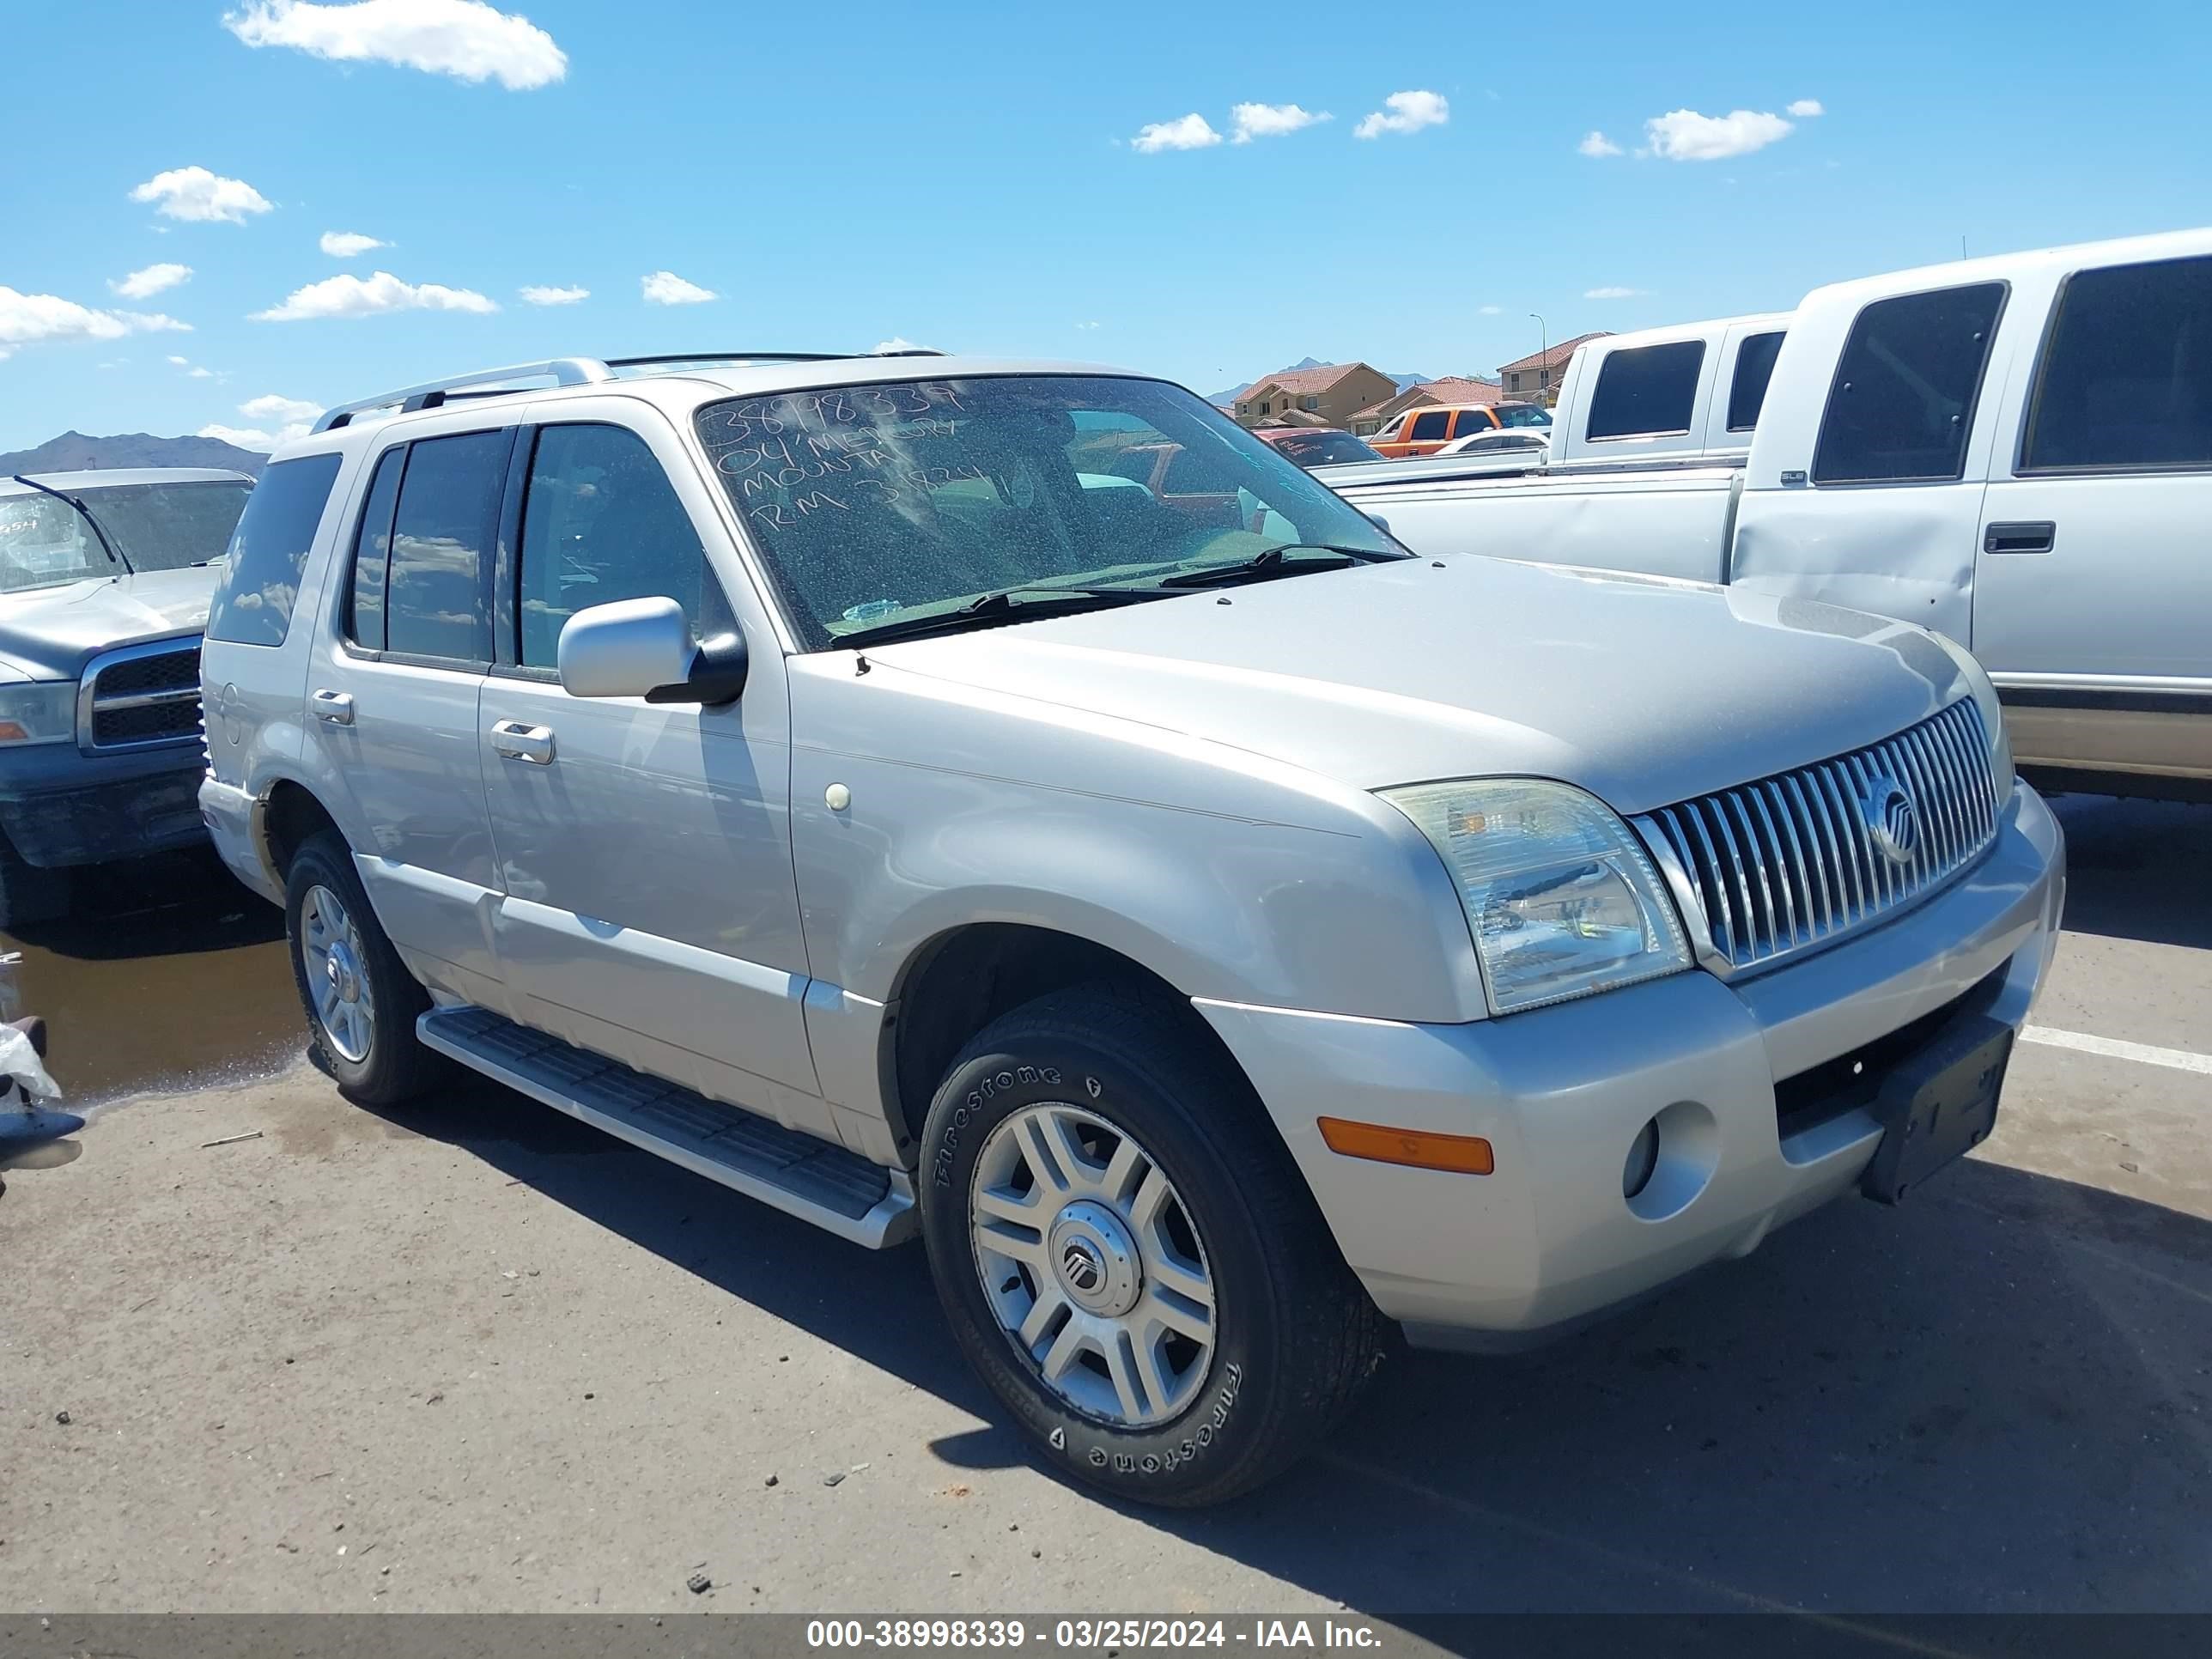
472,1355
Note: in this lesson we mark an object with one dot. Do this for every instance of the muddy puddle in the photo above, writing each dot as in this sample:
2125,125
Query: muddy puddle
170,976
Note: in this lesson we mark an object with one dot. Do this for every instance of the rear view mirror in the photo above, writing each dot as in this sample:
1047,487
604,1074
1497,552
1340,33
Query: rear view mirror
643,648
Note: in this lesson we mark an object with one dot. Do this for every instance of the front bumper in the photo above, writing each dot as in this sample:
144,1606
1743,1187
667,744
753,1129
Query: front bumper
1562,1093
60,807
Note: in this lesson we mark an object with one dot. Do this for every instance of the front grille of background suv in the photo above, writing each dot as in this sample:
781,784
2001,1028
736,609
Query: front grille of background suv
140,695
1789,862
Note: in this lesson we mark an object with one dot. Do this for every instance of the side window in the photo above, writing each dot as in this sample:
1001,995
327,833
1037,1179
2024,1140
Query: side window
1472,421
2126,377
268,550
601,522
1903,401
372,553
1647,391
1754,368
1431,423
438,603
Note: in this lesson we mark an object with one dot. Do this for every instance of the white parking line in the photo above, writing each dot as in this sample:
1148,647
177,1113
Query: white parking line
2179,1059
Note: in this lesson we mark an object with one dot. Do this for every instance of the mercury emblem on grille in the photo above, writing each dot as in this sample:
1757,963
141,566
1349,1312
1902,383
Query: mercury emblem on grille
1893,823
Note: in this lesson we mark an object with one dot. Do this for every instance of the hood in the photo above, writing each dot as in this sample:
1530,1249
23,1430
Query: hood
49,632
1643,690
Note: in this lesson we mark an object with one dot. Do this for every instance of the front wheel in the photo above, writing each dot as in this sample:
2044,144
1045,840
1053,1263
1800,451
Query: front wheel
1129,1257
361,1001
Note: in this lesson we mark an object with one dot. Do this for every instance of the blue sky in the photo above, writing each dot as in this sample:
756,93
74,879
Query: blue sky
969,176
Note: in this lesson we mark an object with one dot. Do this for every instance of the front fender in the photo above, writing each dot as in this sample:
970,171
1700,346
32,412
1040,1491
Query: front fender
1229,876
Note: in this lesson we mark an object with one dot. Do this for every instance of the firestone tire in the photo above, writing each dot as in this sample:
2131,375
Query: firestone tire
379,1062
1294,1337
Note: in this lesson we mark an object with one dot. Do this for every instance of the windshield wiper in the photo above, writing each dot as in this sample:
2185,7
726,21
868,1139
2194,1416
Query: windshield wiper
84,513
1025,601
1271,560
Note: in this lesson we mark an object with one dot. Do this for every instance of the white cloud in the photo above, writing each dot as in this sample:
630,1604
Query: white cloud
1491,311
179,362
1683,135
1272,120
1595,143
464,38
1191,132
537,295
244,437
289,413
194,193
30,318
1086,327
1613,293
896,343
143,284
1805,108
348,244
1407,112
196,373
352,296
665,288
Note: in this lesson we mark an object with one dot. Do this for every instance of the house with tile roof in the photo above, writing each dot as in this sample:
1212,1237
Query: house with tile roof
1327,394
1451,391
1536,377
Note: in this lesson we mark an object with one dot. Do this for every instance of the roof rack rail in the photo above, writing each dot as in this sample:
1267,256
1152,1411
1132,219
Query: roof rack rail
572,371
562,371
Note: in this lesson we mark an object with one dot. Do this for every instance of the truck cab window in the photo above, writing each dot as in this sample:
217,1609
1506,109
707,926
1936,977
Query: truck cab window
1647,392
2126,377
1754,368
1433,423
1903,401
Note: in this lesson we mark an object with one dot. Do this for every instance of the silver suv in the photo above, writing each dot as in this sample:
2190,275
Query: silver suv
1009,802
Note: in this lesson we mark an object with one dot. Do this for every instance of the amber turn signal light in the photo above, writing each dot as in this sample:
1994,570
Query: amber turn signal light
1424,1149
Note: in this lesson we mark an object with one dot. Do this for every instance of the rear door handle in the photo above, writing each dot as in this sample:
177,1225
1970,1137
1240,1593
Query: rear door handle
336,707
515,741
2022,536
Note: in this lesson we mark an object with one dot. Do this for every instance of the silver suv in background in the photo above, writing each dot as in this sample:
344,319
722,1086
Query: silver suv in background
1224,936
105,578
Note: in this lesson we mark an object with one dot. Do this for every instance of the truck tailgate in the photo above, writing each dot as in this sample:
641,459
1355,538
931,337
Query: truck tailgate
1672,524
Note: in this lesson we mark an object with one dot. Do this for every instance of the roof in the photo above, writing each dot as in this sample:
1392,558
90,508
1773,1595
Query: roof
678,389
1307,382
1552,356
1453,389
110,476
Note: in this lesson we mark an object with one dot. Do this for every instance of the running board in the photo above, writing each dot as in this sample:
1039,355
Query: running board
837,1190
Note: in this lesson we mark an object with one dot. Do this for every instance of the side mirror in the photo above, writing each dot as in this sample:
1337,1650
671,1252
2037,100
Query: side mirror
643,648
1378,521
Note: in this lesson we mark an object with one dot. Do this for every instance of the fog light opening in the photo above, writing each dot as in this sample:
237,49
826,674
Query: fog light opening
1643,1159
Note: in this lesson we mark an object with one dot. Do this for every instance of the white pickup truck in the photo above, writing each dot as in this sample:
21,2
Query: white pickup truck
2016,451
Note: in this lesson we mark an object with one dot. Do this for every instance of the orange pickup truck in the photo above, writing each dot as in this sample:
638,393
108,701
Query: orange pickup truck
1425,431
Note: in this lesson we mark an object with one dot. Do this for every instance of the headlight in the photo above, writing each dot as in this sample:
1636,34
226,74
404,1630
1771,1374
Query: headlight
1559,894
43,711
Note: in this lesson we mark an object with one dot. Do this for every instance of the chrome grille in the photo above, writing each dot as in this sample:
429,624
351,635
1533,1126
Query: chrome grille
1798,860
140,695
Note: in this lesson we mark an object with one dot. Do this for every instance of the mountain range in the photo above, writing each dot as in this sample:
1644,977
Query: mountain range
1230,395
73,451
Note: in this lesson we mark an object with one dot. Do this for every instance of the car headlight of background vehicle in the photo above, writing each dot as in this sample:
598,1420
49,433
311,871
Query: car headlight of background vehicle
38,711
1559,894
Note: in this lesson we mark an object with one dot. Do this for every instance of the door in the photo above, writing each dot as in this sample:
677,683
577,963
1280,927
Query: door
392,701
1428,431
1886,517
2092,595
650,911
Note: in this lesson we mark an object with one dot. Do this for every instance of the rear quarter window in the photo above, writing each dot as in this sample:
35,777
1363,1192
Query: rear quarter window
253,604
1903,401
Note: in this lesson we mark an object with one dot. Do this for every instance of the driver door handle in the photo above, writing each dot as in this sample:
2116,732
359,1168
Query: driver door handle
335,707
517,742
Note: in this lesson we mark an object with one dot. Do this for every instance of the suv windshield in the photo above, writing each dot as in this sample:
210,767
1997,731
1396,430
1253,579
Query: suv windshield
877,503
45,542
